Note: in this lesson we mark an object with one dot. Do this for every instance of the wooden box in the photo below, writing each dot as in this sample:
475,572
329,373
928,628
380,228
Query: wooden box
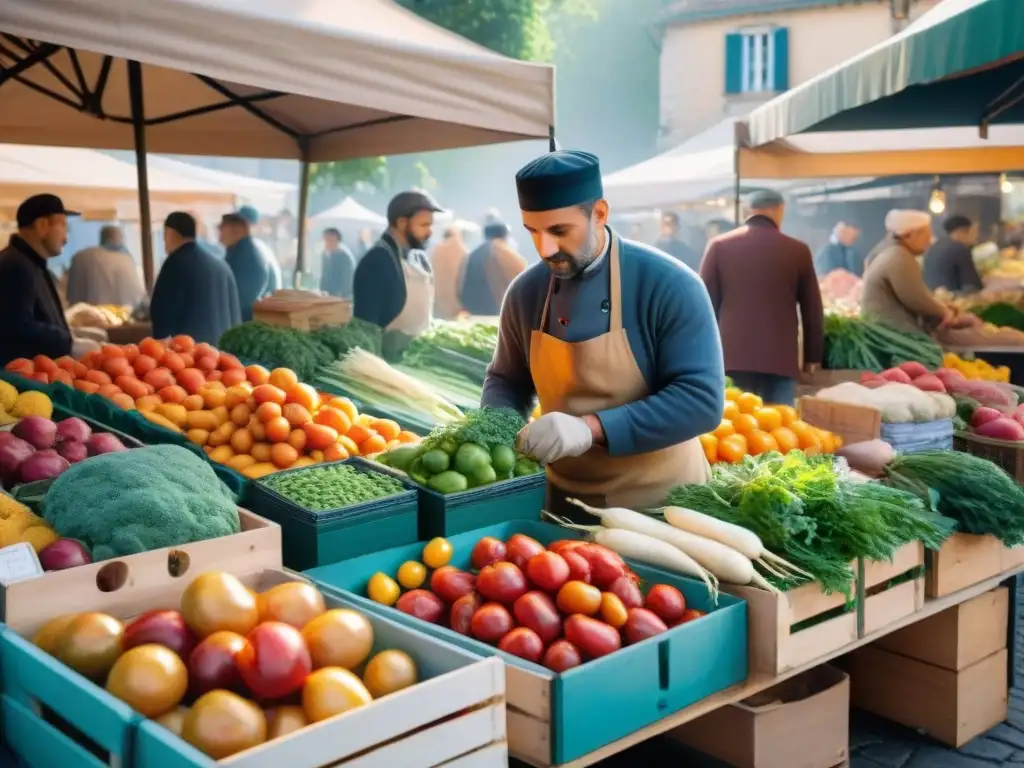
305,314
951,707
964,560
1013,558
958,637
853,423
884,604
804,721
256,546
457,709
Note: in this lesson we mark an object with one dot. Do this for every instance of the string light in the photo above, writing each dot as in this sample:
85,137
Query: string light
937,202
1005,185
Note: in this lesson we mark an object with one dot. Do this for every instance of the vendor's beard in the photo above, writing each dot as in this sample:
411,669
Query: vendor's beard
566,266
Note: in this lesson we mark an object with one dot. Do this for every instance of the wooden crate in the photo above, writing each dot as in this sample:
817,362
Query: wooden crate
957,637
306,314
30,603
1013,558
456,710
882,604
1003,453
951,707
964,560
853,423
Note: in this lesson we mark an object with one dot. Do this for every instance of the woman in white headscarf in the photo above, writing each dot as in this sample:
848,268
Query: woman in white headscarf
894,291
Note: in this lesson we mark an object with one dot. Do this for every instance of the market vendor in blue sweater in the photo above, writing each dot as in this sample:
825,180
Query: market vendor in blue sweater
618,341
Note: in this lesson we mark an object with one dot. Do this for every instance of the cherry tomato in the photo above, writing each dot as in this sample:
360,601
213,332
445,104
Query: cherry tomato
421,604
462,613
579,568
613,612
627,591
594,638
524,643
605,566
450,583
642,624
519,549
491,623
538,612
690,614
577,597
561,655
548,570
502,582
487,551
666,602
437,552
564,545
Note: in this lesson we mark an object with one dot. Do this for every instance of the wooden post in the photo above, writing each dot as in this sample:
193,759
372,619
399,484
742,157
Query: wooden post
141,169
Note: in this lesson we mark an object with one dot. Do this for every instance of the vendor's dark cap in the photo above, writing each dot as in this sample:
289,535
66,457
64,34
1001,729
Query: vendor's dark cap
182,223
38,206
233,218
407,204
765,198
559,180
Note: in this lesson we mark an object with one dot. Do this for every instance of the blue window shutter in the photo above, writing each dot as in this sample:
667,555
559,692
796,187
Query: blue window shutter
733,63
780,45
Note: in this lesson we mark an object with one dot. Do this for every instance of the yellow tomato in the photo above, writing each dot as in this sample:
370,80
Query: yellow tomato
437,553
383,589
733,393
748,402
411,574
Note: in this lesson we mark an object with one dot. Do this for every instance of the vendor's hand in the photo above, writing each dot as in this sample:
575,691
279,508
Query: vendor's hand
947,317
82,346
554,436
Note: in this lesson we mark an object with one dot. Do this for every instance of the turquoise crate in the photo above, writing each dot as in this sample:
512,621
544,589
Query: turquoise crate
605,699
311,539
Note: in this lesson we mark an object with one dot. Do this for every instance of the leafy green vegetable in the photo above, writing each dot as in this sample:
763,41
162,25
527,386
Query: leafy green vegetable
853,342
813,516
476,341
1002,314
355,333
488,427
332,487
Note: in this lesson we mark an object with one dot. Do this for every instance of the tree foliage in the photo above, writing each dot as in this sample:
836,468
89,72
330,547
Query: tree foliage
515,28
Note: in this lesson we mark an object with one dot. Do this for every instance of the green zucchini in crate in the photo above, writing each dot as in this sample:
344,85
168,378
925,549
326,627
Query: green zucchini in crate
560,717
313,537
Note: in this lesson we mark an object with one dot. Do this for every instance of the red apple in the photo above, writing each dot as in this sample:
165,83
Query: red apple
274,661
166,628
212,664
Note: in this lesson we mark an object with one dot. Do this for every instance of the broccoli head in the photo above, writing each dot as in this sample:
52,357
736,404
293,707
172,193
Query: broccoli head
134,501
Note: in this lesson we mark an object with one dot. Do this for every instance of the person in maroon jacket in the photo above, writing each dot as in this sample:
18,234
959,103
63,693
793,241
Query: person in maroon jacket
757,277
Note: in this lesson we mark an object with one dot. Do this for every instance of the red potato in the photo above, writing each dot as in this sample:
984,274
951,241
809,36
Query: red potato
579,568
641,624
421,604
487,551
564,545
462,613
913,369
627,591
538,612
577,597
594,638
491,623
605,566
524,643
502,582
519,549
548,571
561,655
450,583
666,602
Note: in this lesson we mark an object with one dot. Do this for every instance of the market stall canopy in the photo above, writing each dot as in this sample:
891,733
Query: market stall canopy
348,210
304,79
268,197
960,64
99,186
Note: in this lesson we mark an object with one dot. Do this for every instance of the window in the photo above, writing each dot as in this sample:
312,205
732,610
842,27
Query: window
757,61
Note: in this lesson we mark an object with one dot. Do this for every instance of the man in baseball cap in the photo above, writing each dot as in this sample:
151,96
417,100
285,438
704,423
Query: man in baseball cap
30,307
394,285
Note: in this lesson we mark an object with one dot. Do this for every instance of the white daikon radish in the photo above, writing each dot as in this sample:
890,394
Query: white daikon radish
723,561
644,549
744,541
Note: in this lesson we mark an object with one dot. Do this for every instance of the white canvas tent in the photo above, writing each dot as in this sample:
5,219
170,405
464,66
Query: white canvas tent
351,212
267,196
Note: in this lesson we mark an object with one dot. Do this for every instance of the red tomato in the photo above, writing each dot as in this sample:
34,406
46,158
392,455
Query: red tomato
666,602
491,623
579,568
561,655
274,661
642,624
627,591
690,614
462,613
450,583
421,604
519,549
548,570
502,582
538,612
524,643
487,551
563,545
577,597
605,566
594,638
613,612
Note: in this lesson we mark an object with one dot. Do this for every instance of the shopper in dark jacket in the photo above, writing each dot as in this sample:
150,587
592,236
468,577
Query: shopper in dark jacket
337,270
948,263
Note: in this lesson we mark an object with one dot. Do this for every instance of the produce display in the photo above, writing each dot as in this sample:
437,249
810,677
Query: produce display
452,358
1002,315
15,405
814,514
82,315
18,524
229,669
976,369
332,487
750,428
40,449
560,606
475,451
896,403
993,423
853,342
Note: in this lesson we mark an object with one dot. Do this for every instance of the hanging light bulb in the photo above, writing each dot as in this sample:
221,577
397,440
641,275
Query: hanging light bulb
1005,185
937,203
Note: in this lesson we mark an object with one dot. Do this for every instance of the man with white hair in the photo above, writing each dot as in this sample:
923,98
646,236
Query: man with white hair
894,291
838,252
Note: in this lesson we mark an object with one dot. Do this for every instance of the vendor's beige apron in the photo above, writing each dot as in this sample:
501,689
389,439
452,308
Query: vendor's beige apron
414,318
585,377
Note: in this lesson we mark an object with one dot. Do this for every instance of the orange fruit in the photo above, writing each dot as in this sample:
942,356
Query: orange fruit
236,395
296,414
283,378
173,394
350,445
283,455
732,449
731,410
346,406
744,424
242,441
334,418
800,428
786,439
788,414
386,428
152,348
304,395
335,452
710,445
405,436
107,350
759,442
260,452
278,429
268,393
257,430
233,376
257,374
268,410
320,437
212,396
241,414
373,444
360,434
724,429
768,418
733,393
748,402
827,441
297,439
183,343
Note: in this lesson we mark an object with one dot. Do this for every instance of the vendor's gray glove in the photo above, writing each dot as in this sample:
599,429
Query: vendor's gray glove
80,346
554,436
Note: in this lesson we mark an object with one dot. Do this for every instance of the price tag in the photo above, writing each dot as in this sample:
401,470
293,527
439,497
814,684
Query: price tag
19,563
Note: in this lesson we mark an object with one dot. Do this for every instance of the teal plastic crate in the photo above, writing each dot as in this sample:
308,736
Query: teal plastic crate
319,538
602,700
